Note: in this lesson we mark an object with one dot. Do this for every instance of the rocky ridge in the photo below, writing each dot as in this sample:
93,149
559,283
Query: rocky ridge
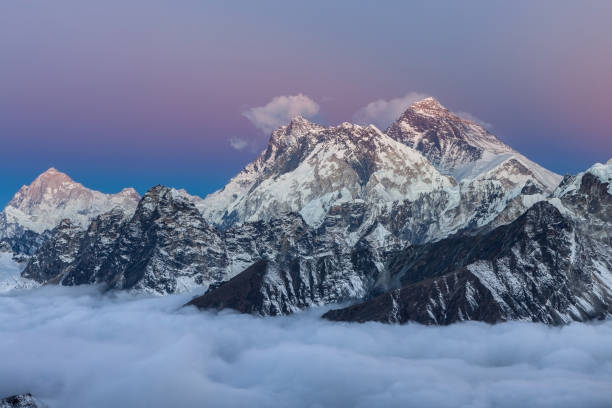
21,401
167,247
550,265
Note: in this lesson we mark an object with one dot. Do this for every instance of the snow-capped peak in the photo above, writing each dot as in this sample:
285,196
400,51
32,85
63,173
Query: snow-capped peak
571,184
291,133
458,147
428,104
54,196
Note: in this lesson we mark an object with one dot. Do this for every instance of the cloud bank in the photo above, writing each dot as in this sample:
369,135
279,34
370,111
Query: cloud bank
72,347
384,112
280,110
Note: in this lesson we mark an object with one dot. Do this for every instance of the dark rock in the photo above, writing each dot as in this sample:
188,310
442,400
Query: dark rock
539,268
21,401
56,254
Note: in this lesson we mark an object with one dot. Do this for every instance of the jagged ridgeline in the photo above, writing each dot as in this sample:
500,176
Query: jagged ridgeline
434,220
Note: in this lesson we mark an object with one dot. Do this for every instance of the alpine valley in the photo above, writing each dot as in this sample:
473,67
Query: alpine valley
433,220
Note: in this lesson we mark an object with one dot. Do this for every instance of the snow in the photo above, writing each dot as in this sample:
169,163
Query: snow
10,274
602,171
470,293
483,270
380,235
325,176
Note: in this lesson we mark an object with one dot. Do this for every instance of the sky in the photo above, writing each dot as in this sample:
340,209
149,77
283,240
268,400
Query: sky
145,92
85,349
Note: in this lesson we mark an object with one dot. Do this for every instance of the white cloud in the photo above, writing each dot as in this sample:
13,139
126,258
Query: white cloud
238,143
469,116
280,110
384,112
73,347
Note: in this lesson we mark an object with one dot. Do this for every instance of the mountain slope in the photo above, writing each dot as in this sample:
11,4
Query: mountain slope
544,266
553,264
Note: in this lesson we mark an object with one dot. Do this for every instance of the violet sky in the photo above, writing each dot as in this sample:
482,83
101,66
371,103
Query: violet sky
144,92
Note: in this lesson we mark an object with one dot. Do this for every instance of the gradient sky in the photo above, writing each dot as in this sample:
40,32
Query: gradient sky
141,92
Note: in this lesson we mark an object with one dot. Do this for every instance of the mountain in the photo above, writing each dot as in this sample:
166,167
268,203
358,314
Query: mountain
347,213
553,265
396,179
307,168
458,147
164,242
547,265
52,197
167,247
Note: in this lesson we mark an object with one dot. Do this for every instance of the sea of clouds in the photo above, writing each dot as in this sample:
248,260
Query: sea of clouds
74,347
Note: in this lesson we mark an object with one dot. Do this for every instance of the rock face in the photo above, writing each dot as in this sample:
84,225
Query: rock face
56,254
163,244
51,198
550,265
165,241
96,245
167,247
21,401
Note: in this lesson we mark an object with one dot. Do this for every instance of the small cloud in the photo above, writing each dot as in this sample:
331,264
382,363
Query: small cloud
383,112
238,143
470,117
280,110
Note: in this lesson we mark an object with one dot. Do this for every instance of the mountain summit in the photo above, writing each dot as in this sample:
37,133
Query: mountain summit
458,147
52,197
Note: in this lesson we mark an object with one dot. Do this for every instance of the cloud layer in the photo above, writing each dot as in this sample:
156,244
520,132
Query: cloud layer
280,110
73,347
383,112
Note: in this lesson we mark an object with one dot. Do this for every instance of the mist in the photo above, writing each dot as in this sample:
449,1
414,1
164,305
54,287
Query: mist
75,347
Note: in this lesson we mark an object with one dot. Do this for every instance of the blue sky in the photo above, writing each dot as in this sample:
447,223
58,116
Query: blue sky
136,93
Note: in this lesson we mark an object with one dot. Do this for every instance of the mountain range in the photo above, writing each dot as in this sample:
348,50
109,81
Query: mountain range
433,220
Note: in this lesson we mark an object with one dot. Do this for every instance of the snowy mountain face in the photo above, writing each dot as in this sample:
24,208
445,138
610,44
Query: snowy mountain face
52,197
545,266
396,180
308,169
553,264
458,147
